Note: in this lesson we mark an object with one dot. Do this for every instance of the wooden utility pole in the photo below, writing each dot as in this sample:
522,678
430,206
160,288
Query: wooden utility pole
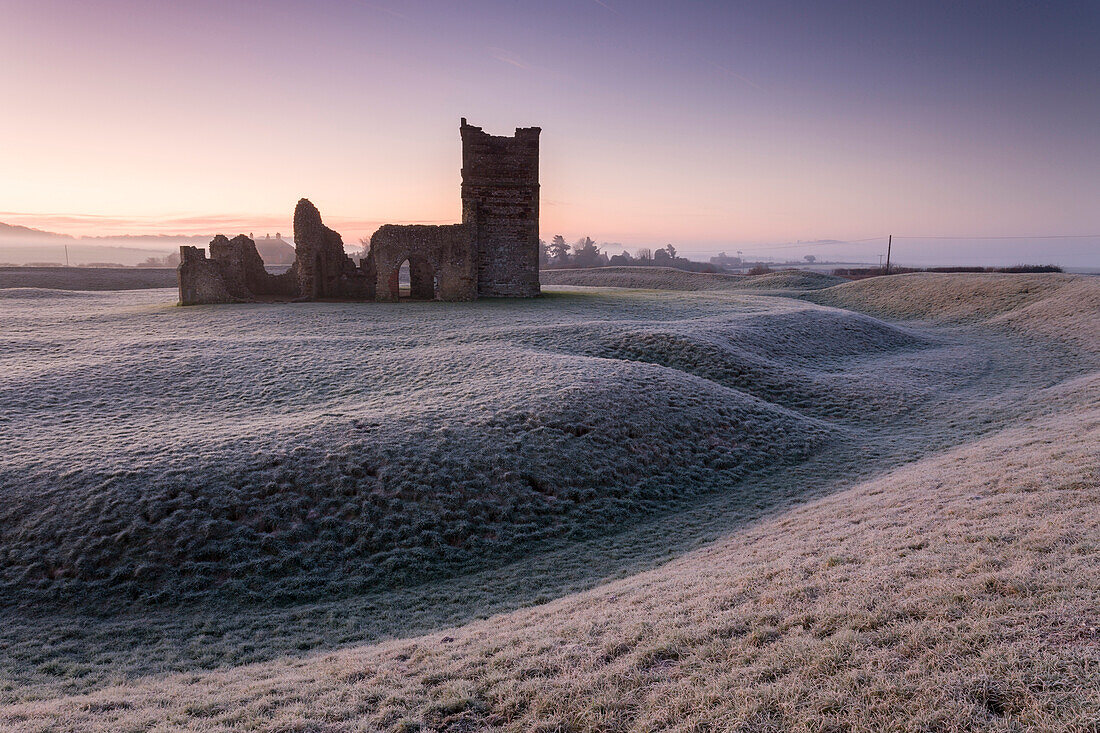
66,255
889,244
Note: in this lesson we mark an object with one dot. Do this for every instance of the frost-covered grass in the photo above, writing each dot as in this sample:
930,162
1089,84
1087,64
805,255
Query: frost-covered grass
779,570
954,299
278,454
87,278
668,278
1064,308
282,454
958,593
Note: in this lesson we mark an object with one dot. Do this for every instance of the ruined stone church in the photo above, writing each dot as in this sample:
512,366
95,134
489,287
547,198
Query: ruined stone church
493,253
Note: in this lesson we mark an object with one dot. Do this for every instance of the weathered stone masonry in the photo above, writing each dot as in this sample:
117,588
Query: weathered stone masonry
500,203
441,261
494,252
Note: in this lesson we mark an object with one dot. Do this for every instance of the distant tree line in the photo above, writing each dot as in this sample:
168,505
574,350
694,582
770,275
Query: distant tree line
170,260
585,253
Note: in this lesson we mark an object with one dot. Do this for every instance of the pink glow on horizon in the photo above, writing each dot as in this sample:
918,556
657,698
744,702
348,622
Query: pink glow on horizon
706,126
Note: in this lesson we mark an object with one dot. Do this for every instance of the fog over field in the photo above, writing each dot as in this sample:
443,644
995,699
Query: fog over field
774,504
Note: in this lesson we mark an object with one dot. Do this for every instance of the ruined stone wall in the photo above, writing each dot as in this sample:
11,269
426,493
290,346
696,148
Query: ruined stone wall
494,252
241,266
243,270
437,254
361,284
500,203
234,273
320,258
200,279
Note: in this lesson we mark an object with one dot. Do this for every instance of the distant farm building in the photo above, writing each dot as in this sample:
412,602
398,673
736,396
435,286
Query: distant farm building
275,251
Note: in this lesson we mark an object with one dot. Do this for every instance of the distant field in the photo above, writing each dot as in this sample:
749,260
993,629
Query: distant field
95,278
786,505
87,278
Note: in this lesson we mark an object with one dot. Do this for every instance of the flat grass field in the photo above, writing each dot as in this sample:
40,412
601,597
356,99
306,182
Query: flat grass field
88,278
655,501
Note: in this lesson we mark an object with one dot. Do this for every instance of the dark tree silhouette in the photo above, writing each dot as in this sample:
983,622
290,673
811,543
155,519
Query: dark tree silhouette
559,250
586,253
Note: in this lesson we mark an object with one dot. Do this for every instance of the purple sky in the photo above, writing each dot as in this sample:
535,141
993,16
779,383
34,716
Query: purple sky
709,125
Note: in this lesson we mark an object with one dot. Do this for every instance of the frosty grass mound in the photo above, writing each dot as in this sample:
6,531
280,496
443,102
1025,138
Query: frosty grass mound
819,519
668,278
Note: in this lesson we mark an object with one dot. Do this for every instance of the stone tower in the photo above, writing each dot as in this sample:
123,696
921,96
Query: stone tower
500,205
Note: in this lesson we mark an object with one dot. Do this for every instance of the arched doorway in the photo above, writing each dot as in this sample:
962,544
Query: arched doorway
414,279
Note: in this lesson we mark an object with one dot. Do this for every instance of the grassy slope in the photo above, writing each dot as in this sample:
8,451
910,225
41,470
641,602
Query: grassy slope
1063,308
667,278
955,593
288,454
961,299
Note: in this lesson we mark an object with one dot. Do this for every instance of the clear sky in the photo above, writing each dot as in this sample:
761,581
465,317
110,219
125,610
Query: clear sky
711,125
